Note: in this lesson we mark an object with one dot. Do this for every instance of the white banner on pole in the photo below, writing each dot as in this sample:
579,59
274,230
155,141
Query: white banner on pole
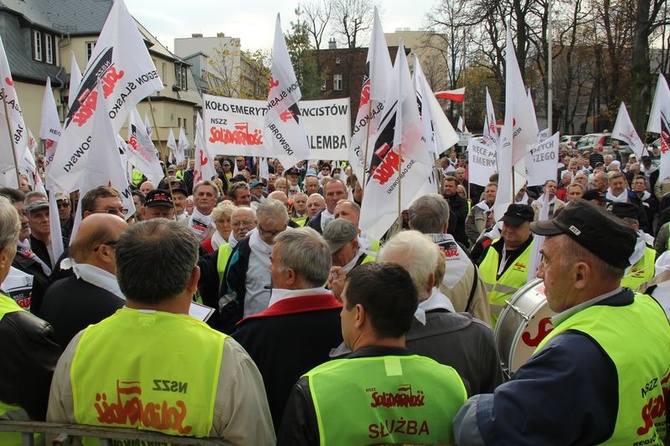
482,162
542,161
235,126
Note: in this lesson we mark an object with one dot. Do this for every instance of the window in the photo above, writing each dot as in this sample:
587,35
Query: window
89,49
181,77
337,82
49,48
37,45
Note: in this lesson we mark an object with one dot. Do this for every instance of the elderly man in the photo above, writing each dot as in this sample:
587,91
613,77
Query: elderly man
65,214
158,204
299,213
205,195
315,204
311,185
504,267
179,196
480,217
247,285
301,324
391,395
147,187
350,210
548,190
92,293
346,251
600,181
438,332
137,356
599,377
335,191
575,191
618,192
462,283
28,352
40,231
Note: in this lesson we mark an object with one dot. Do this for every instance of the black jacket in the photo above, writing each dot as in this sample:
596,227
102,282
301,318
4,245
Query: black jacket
29,357
458,208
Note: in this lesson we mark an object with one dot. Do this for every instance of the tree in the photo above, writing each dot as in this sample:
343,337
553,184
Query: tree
235,73
303,60
352,19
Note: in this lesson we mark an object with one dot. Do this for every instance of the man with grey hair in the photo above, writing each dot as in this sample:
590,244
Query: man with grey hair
246,288
28,352
220,394
450,338
205,196
461,283
302,322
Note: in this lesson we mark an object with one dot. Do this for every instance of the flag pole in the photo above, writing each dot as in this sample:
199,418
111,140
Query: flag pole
400,183
153,119
11,137
367,140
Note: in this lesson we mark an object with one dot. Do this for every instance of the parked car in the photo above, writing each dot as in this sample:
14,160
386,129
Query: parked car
602,142
568,141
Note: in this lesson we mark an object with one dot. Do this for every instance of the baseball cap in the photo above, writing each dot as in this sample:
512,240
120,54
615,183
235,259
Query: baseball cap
255,184
338,233
62,196
158,197
597,230
35,205
291,171
624,210
172,168
177,184
518,214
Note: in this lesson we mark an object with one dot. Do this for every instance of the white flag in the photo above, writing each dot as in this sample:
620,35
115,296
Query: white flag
399,154
18,133
437,130
490,130
519,134
172,145
263,169
204,163
664,170
147,124
182,145
461,125
141,151
75,80
284,131
624,130
661,104
376,81
122,66
50,129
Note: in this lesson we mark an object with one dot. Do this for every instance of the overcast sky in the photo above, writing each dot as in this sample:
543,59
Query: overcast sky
251,20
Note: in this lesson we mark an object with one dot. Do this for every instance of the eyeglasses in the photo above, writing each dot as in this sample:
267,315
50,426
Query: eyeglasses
114,211
63,204
245,223
262,231
111,243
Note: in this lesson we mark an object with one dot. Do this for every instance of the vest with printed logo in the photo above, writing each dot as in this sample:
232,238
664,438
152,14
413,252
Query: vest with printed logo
389,399
636,337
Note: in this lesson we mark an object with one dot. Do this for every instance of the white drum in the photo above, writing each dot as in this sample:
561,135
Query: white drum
523,323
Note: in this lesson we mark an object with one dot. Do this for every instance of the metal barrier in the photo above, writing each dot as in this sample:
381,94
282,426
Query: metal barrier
68,434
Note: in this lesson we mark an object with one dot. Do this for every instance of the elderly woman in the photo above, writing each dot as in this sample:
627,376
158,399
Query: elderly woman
221,216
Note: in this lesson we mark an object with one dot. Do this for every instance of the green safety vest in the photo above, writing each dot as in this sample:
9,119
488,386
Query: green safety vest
512,279
637,339
129,371
137,177
375,246
642,271
300,220
8,305
222,260
388,399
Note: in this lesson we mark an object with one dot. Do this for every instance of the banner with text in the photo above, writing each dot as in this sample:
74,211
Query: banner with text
482,162
235,126
542,161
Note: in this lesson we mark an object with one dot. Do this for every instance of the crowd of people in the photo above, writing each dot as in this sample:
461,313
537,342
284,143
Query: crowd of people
316,334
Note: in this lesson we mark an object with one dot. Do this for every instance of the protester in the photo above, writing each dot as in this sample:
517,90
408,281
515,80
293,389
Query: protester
65,214
299,212
335,191
247,285
158,204
240,194
205,195
221,215
345,249
301,324
458,207
27,348
315,204
92,293
582,385
219,394
481,214
438,332
462,283
378,301
504,264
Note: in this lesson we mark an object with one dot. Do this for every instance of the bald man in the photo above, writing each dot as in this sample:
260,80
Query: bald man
92,293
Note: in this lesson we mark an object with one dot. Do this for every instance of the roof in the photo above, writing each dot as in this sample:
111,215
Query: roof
65,16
